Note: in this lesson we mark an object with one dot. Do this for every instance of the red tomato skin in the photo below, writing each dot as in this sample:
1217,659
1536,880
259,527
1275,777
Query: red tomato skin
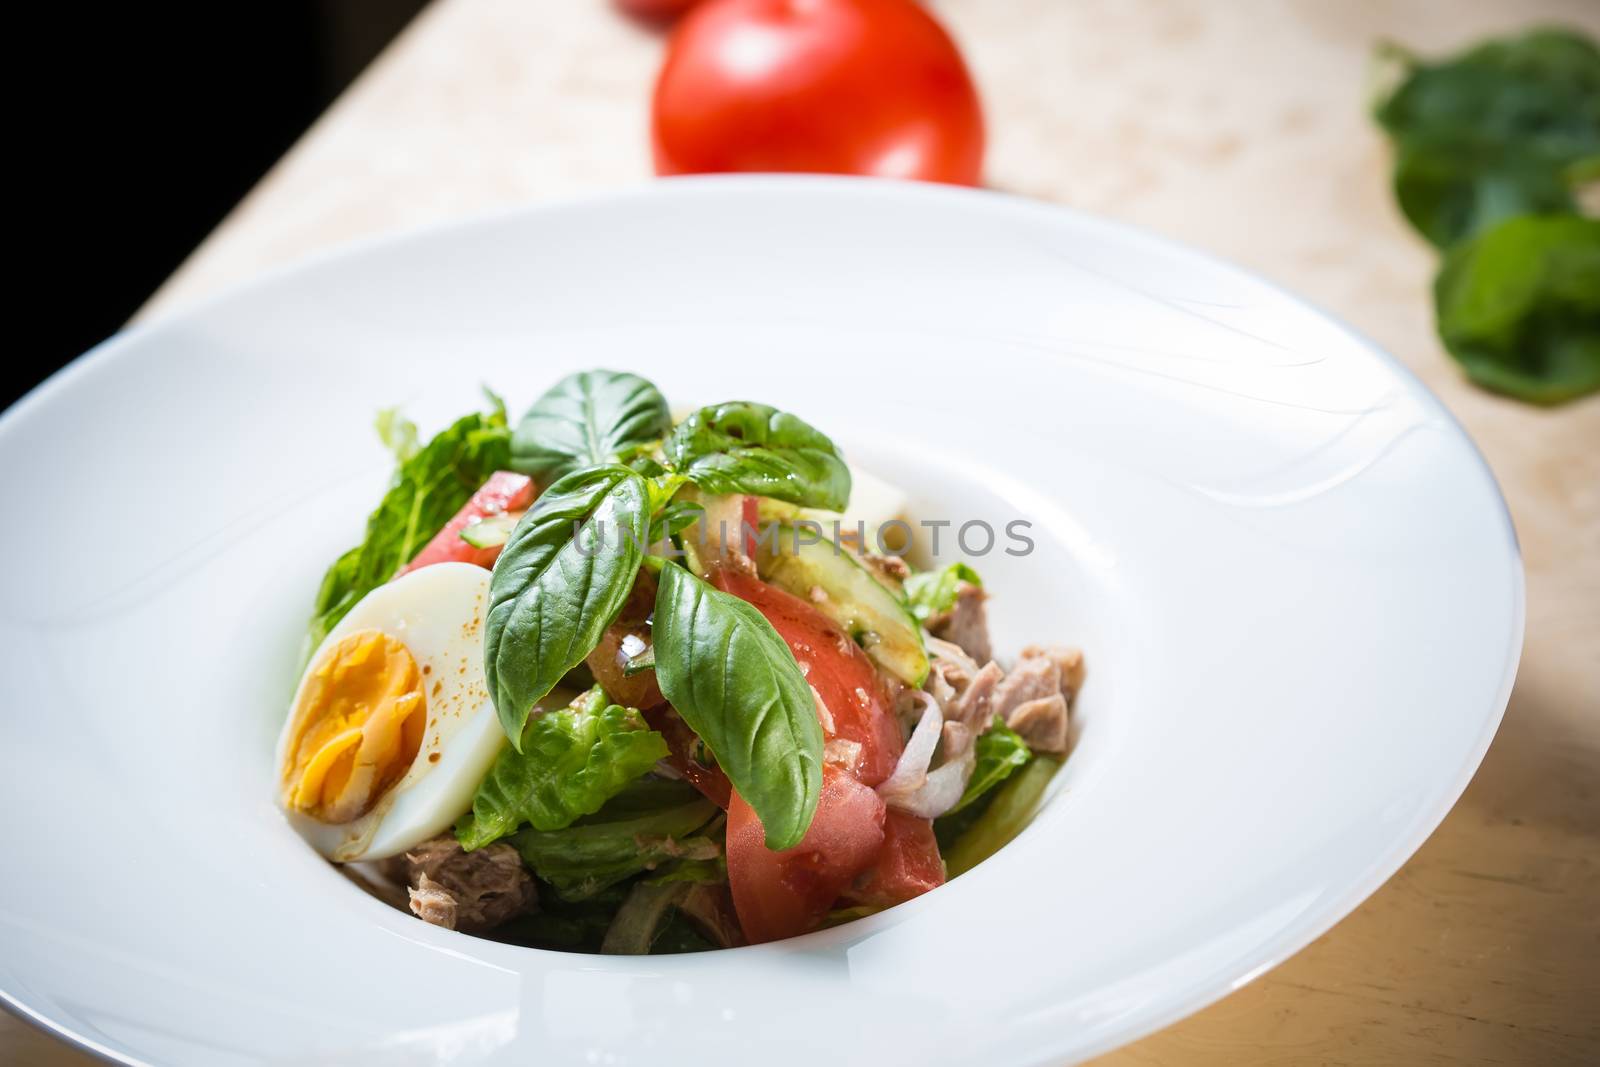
682,742
908,865
783,894
504,491
836,668
871,87
655,9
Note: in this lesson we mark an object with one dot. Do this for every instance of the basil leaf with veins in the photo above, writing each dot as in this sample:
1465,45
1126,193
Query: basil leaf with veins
555,591
744,447
734,681
587,419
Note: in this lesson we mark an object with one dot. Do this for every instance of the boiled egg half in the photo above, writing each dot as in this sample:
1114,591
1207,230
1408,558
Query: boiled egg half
392,728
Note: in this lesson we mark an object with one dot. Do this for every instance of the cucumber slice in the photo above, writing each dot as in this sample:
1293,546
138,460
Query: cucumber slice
870,612
491,531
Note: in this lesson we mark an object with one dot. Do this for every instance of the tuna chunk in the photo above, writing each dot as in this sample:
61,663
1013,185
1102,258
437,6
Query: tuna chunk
966,623
1069,661
467,891
1035,698
1042,723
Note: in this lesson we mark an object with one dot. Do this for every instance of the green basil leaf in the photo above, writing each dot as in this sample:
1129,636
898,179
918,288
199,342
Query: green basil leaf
930,593
734,681
429,487
1000,750
1492,132
674,519
553,593
1455,186
587,419
1519,307
742,447
572,761
650,823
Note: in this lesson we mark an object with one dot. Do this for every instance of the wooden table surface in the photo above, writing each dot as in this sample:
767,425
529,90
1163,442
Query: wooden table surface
1238,127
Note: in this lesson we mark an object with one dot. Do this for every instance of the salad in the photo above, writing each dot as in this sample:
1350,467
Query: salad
613,681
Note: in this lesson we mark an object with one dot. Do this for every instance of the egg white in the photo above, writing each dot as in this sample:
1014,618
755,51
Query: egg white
438,613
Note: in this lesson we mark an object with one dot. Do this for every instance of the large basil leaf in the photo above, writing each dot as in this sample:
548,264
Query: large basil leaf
572,762
430,485
734,681
649,823
1519,307
554,592
587,419
742,447
1493,132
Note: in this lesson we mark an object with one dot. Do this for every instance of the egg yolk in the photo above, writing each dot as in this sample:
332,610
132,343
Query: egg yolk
358,727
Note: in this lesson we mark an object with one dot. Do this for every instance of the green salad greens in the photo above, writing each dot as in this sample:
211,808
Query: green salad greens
570,763
654,763
931,593
430,485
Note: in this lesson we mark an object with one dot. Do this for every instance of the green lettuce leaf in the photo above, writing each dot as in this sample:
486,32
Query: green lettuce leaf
1519,307
572,762
429,487
1000,751
931,593
650,823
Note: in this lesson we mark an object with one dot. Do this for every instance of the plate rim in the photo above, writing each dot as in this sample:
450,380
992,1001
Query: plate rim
1195,995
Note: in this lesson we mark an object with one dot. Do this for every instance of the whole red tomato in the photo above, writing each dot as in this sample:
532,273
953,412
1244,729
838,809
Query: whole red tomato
870,87
655,9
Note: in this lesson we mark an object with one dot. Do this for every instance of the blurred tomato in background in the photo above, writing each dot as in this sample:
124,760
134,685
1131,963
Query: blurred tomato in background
655,9
872,87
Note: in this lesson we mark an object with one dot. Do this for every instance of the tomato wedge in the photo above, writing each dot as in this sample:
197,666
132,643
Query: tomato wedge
782,894
836,668
684,746
907,866
503,492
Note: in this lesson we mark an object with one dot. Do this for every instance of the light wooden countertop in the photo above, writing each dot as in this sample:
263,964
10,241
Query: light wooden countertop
1237,127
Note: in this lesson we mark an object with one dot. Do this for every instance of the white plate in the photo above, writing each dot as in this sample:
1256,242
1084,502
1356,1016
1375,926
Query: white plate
1295,580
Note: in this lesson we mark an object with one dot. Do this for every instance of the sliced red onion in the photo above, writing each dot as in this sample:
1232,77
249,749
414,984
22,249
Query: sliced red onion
941,790
912,770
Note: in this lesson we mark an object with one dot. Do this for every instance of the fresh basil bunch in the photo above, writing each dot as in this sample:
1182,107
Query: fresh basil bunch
608,441
1491,147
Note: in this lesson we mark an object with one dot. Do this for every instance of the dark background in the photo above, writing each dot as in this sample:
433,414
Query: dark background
152,122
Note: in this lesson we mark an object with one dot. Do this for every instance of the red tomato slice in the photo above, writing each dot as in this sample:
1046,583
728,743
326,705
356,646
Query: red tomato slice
504,491
683,746
908,865
836,668
782,894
